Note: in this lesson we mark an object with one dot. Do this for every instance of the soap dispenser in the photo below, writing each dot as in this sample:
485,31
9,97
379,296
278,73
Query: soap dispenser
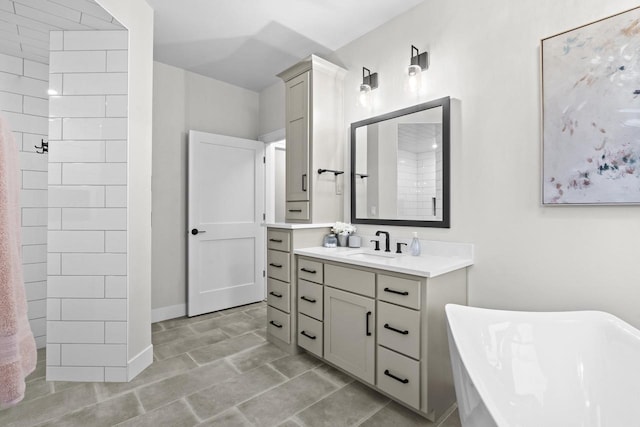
415,245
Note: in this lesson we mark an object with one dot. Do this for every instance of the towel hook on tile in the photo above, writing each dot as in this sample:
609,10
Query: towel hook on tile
44,146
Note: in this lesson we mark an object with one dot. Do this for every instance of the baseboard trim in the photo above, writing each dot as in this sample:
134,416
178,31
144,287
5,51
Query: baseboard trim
169,312
140,362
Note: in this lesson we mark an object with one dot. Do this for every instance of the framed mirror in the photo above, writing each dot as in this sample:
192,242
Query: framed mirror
400,167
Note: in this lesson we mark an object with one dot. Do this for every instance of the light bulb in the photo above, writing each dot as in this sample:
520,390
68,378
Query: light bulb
364,95
414,70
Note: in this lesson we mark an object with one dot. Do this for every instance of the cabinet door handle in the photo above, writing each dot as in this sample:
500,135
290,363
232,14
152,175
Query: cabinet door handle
311,300
295,210
304,182
313,337
393,291
389,374
275,294
386,326
306,270
276,240
275,265
276,324
368,331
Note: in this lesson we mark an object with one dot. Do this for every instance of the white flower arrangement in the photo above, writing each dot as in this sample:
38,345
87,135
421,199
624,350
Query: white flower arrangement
343,228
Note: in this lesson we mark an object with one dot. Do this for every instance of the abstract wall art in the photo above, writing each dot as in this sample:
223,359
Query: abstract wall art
591,113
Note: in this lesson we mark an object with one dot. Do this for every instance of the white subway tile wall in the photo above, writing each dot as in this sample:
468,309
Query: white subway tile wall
23,102
87,215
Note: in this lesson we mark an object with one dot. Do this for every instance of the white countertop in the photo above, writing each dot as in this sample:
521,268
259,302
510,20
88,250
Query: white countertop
294,226
426,265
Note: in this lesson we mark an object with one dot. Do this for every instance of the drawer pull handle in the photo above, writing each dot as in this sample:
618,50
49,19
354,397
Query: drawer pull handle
275,265
389,374
275,294
393,291
307,299
367,320
386,326
313,337
306,270
295,210
276,324
276,240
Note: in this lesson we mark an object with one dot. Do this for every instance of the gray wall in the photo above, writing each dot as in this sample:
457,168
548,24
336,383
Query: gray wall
184,101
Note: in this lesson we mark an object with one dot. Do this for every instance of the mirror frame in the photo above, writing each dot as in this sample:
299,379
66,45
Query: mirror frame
445,103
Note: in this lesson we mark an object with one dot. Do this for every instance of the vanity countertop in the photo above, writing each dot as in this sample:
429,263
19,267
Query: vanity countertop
294,226
428,264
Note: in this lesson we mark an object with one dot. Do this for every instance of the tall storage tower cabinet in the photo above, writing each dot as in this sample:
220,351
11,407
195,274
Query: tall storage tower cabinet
315,138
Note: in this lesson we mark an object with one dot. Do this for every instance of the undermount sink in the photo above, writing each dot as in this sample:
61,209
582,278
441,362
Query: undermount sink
370,254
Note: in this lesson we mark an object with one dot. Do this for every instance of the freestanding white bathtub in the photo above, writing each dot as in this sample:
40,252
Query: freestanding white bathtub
528,369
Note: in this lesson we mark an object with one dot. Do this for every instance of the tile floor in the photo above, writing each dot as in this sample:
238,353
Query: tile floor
215,370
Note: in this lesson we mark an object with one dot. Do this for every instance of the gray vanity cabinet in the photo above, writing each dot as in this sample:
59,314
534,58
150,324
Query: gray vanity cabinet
281,271
314,122
349,332
385,328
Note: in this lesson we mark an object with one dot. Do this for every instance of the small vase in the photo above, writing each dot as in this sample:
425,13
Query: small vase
342,239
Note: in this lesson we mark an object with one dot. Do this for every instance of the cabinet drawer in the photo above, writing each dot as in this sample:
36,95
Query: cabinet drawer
278,240
297,211
399,376
399,329
310,299
399,291
278,295
278,265
350,279
310,270
278,324
310,334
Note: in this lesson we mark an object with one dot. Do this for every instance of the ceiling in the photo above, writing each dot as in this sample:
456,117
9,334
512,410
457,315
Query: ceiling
247,42
25,24
241,42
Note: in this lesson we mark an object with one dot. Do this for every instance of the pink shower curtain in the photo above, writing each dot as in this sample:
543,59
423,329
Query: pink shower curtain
17,346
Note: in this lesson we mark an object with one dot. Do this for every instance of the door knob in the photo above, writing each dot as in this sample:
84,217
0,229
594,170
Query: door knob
196,231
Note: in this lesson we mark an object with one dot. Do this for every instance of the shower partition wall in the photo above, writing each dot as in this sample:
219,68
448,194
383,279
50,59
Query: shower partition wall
87,238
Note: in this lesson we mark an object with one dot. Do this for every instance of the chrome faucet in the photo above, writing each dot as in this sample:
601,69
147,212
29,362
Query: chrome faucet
386,241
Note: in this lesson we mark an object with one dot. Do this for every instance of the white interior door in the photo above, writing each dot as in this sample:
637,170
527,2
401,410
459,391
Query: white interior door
226,236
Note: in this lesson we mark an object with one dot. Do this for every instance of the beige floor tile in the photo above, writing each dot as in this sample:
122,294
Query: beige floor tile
278,404
294,365
344,408
334,375
176,414
229,418
163,337
48,407
37,388
255,357
397,415
181,321
183,345
158,394
157,371
225,348
218,322
224,395
103,414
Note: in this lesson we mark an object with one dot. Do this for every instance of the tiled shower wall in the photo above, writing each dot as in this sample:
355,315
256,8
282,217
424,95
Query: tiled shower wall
87,259
23,102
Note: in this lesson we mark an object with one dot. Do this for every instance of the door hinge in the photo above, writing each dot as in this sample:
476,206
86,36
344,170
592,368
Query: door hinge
264,159
263,273
264,216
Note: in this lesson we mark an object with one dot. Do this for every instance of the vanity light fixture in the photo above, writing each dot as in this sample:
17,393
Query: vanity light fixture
419,62
369,83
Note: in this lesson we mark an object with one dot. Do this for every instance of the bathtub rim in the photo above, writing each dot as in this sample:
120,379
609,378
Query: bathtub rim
455,311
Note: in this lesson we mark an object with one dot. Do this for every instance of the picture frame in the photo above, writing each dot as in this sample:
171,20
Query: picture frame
591,113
